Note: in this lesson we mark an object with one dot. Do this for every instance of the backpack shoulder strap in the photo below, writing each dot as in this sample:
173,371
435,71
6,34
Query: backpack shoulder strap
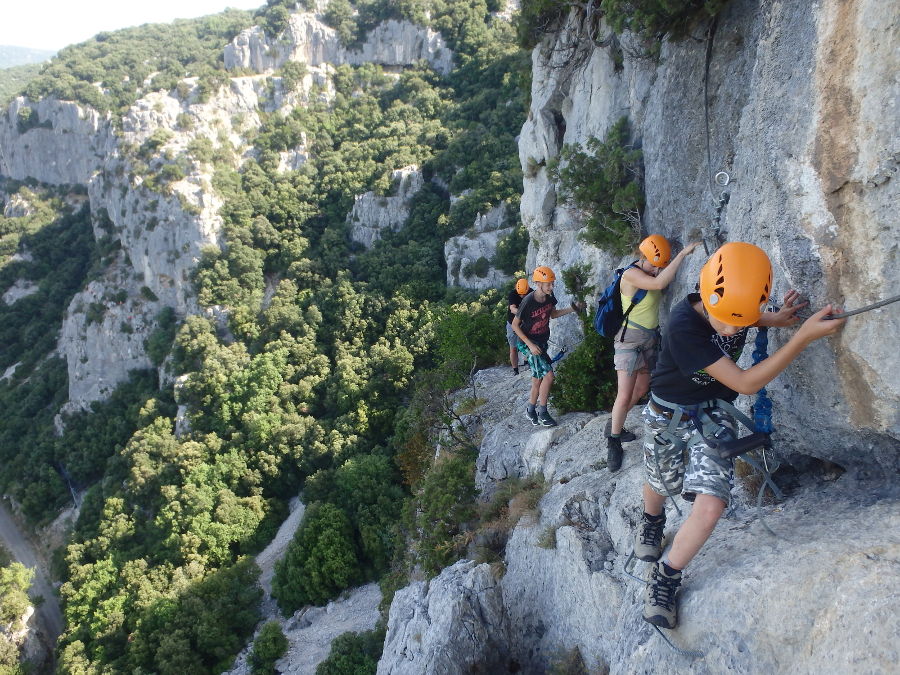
635,299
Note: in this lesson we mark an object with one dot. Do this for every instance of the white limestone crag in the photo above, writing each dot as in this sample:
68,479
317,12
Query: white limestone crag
16,206
372,214
803,115
811,600
461,608
22,288
65,148
162,231
464,252
306,39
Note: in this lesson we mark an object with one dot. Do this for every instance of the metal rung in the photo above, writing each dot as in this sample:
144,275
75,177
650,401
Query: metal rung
629,568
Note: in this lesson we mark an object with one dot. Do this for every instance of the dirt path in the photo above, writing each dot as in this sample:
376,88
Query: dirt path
49,616
274,552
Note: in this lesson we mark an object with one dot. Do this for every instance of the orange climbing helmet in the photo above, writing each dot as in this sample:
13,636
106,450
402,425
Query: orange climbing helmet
656,250
543,274
735,283
522,287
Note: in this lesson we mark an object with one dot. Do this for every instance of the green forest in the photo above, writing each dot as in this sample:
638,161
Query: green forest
334,388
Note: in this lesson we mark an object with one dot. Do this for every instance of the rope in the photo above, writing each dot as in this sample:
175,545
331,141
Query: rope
722,179
762,420
690,653
762,408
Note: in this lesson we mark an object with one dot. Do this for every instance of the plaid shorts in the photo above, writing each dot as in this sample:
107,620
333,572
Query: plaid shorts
540,365
692,469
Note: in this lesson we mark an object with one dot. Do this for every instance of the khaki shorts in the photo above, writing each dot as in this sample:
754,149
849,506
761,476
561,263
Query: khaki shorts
511,338
637,354
692,469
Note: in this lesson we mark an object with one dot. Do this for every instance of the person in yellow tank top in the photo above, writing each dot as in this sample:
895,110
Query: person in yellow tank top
636,354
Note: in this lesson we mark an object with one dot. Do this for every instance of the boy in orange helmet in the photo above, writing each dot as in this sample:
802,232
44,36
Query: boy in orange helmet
695,380
532,326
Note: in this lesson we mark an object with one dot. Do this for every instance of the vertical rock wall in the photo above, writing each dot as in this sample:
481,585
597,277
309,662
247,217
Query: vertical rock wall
803,115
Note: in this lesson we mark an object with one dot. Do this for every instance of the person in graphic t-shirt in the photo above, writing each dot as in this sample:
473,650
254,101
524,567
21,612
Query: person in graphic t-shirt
696,374
519,291
532,326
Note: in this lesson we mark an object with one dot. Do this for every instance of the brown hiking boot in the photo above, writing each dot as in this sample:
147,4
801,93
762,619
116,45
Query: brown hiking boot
648,544
659,598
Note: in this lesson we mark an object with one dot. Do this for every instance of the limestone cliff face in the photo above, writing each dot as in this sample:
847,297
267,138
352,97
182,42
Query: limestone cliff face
803,116
372,213
464,252
160,231
306,39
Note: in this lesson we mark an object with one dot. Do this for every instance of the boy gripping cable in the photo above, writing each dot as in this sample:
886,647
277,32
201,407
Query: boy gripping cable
532,326
520,290
696,374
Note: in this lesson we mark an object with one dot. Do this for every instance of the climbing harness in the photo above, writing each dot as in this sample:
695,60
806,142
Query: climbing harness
640,348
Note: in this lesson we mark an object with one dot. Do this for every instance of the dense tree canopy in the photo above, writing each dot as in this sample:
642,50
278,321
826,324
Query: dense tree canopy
302,382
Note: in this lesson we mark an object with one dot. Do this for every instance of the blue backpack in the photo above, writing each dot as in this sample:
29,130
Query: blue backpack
609,317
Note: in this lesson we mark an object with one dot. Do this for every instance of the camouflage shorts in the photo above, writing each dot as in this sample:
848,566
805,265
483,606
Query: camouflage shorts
689,469
540,365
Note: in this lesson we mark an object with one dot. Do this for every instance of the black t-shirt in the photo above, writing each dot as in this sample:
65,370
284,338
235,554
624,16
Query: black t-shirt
689,345
513,299
534,318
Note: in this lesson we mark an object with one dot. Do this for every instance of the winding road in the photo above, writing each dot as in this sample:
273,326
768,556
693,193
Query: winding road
48,615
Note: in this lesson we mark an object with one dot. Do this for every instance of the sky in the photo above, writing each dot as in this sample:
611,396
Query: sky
53,24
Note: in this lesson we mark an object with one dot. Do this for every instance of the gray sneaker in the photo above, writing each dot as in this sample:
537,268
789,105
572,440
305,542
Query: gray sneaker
545,420
532,416
648,544
659,599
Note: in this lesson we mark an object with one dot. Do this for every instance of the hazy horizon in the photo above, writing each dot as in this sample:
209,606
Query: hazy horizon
26,26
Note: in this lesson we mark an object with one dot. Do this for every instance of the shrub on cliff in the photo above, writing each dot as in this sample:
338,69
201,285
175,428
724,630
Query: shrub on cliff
354,653
603,181
269,646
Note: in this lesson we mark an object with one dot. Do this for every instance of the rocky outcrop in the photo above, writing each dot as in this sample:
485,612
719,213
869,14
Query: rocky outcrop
307,40
809,600
371,213
462,607
803,117
65,145
469,255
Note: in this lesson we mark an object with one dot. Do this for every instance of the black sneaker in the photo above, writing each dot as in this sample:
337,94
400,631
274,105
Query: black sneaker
648,544
659,599
515,371
532,416
545,420
613,454
625,436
